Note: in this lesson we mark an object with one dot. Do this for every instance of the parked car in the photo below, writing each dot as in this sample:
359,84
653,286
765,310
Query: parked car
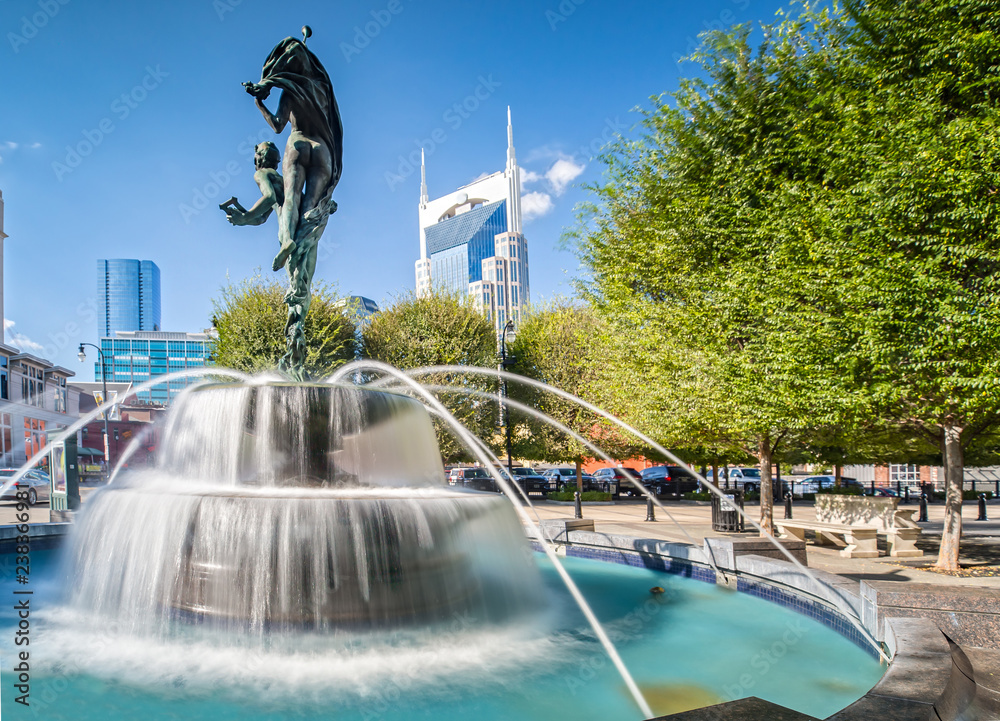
560,478
556,477
670,480
478,479
814,484
890,492
616,480
746,478
34,482
530,480
455,476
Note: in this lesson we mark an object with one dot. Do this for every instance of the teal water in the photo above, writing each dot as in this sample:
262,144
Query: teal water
693,645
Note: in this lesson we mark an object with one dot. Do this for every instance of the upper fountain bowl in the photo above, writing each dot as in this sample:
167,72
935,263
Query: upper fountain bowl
301,435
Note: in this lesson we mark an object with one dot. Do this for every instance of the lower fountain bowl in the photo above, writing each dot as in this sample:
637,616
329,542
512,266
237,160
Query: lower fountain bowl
309,558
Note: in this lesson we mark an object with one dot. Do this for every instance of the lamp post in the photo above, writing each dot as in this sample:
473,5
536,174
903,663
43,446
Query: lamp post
82,355
506,337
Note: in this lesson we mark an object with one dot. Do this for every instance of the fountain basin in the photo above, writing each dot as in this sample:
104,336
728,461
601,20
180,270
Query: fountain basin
153,551
692,646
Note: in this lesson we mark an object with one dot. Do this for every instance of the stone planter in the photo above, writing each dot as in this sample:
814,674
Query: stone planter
879,512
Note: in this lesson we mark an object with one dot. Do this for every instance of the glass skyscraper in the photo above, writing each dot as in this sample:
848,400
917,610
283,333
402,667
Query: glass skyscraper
136,357
128,294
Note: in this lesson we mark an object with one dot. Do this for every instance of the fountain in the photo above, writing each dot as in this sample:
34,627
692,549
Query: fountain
283,504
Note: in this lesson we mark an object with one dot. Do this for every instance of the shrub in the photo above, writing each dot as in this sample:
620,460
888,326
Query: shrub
974,495
586,496
843,491
697,496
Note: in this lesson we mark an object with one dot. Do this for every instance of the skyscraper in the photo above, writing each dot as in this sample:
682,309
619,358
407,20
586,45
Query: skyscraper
128,294
471,241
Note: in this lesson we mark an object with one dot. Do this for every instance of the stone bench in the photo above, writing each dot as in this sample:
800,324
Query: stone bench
903,541
858,541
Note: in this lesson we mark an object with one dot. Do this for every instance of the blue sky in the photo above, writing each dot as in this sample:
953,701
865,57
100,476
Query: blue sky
124,126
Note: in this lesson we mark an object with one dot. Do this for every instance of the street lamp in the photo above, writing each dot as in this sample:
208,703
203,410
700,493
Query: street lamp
82,355
508,336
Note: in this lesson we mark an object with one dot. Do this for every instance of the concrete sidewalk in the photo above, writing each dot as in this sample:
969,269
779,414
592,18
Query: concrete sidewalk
691,522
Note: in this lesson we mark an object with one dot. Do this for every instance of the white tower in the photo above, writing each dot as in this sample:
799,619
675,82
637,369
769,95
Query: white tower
513,181
497,279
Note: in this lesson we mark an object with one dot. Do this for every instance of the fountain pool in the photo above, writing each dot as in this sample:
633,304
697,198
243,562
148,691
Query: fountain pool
694,645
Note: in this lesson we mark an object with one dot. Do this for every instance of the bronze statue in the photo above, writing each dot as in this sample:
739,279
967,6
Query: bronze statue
272,189
312,167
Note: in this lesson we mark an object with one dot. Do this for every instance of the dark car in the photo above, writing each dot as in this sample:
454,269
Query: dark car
529,480
618,480
669,481
565,479
478,479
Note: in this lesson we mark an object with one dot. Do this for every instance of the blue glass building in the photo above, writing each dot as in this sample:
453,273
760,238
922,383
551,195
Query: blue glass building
128,293
136,357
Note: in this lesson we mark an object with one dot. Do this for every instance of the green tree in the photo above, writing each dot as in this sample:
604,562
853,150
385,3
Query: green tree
559,344
250,317
701,241
918,224
441,329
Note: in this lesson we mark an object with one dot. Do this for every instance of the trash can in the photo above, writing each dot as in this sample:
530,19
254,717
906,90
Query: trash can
725,516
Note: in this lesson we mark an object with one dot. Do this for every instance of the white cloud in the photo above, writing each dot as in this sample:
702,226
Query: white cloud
529,176
563,172
535,205
11,145
35,146
20,340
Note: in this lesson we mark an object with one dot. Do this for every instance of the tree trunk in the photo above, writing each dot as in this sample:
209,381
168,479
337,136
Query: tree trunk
954,472
766,487
715,474
579,477
836,476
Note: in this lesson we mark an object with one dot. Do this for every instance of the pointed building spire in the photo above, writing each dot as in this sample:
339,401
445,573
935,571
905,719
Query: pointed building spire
513,174
423,180
511,159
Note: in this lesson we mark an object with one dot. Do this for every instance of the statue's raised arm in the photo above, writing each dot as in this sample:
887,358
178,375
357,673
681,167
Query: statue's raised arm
314,153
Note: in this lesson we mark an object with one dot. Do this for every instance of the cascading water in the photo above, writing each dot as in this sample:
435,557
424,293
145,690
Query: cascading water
296,505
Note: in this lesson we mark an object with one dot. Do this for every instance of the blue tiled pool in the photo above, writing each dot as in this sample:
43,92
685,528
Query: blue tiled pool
693,645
